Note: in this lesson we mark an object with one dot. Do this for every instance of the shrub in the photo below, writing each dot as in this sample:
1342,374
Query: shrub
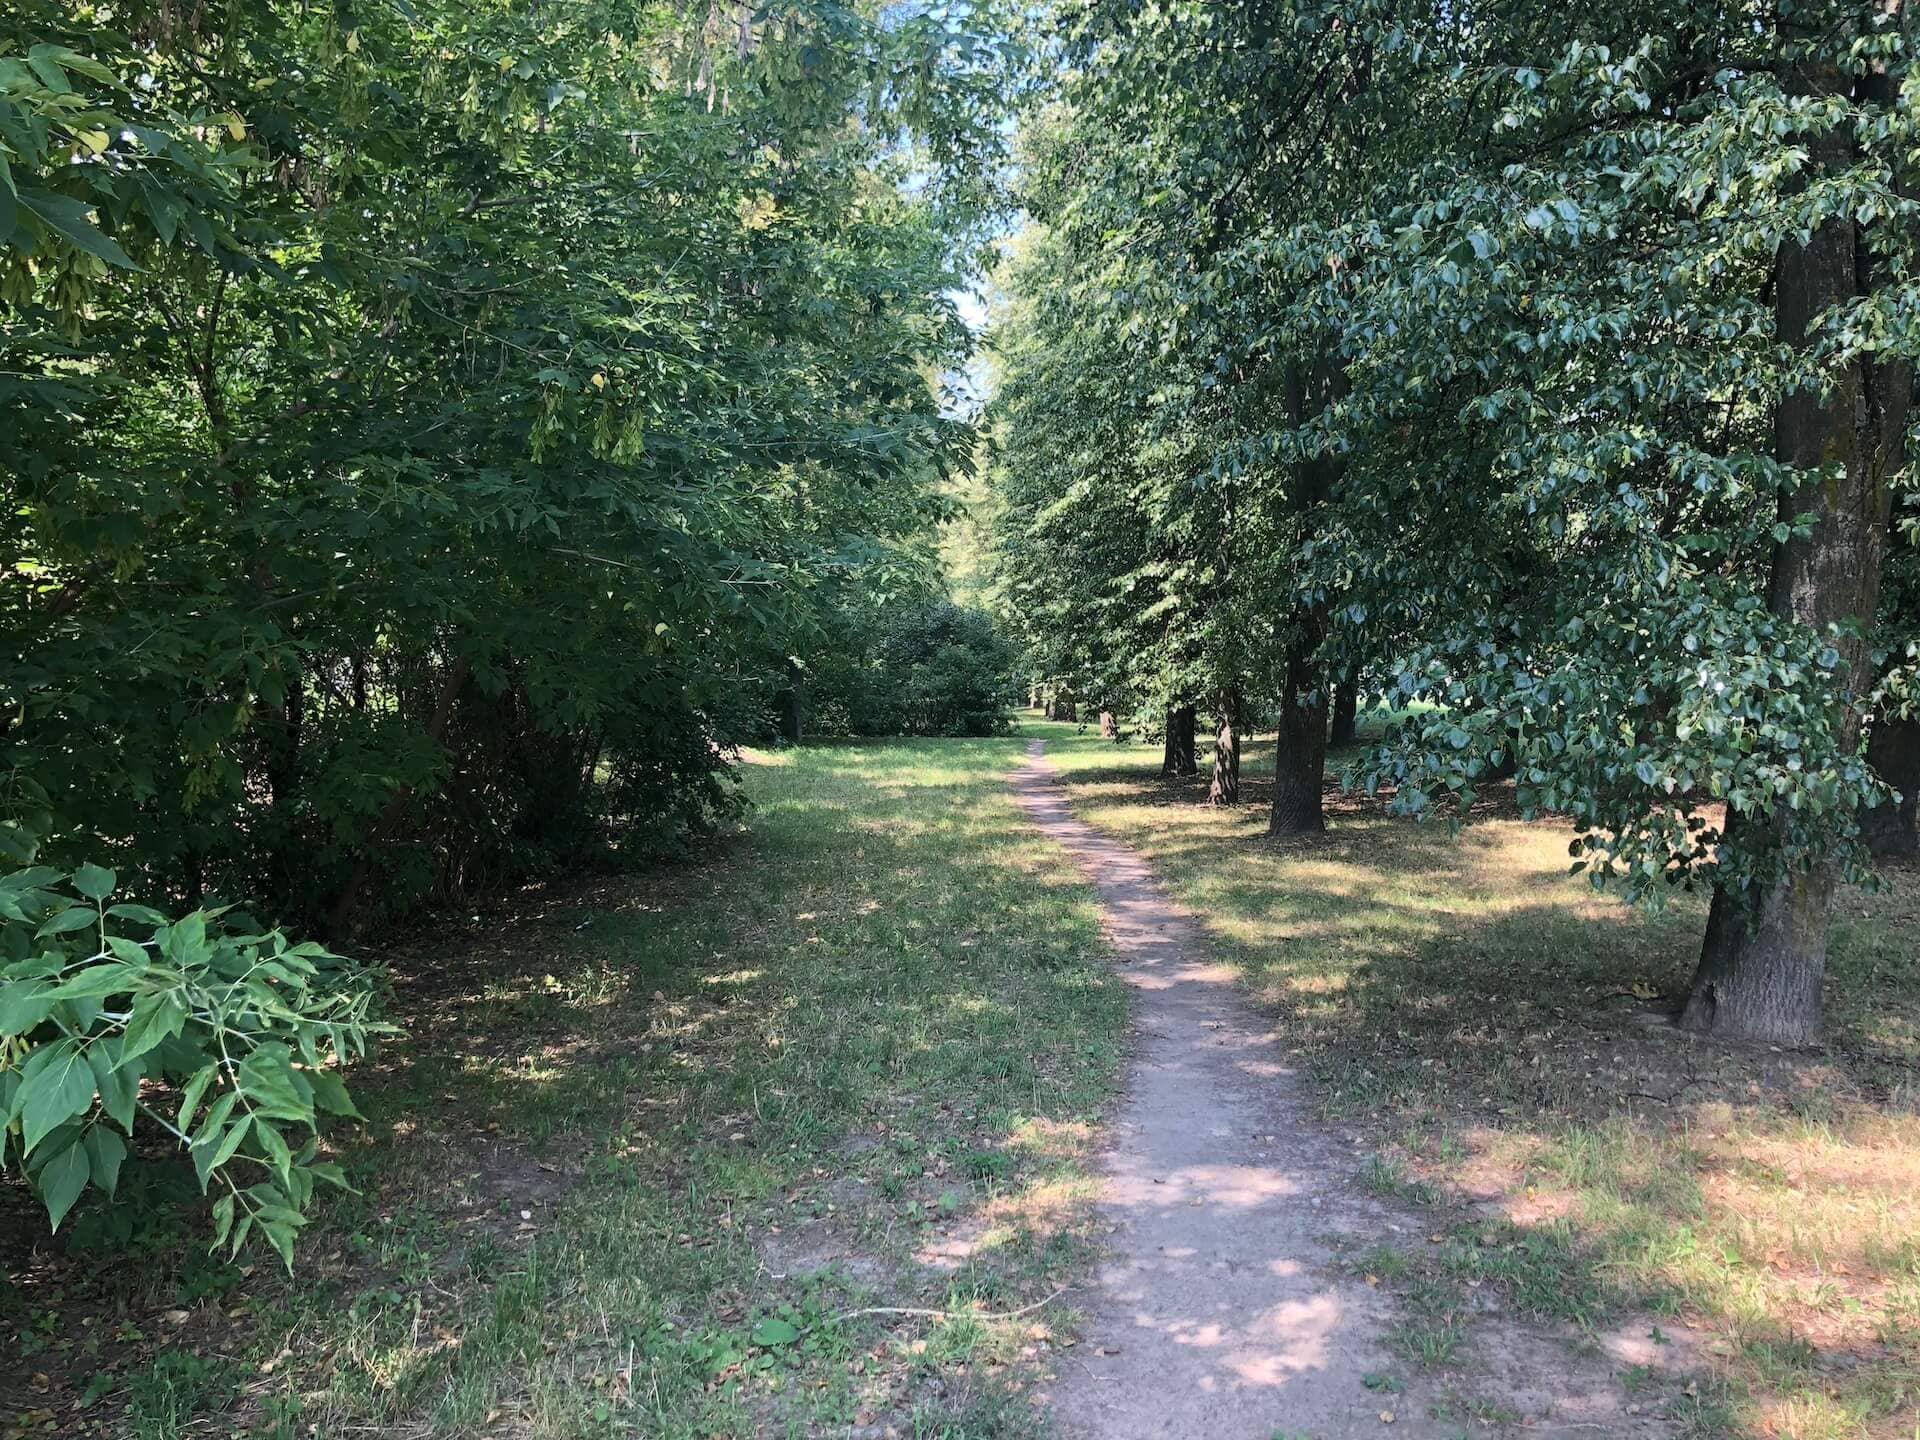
223,1039
934,669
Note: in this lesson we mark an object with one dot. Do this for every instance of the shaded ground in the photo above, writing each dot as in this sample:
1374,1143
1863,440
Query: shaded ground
1224,1308
856,1065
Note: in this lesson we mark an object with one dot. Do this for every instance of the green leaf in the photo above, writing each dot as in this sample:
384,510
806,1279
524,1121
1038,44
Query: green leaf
61,1180
93,882
186,939
94,982
80,64
126,951
274,1148
145,914
156,1016
190,1096
77,917
105,1152
56,1084
280,1235
117,1080
331,1173
70,218
222,1219
217,1147
330,1094
24,1004
772,1332
266,1078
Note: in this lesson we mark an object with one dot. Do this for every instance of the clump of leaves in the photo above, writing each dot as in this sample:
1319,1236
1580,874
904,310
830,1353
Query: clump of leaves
198,1028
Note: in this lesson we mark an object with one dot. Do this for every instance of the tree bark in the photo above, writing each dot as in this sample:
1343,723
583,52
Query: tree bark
1760,975
792,718
1893,750
1179,758
1225,789
1345,713
1109,727
1300,753
1764,955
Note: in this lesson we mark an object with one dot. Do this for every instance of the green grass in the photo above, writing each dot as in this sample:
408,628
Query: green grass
1484,1017
647,1149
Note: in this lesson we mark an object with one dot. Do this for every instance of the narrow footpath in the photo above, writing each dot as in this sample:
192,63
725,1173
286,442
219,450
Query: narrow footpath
1217,1315
1220,1313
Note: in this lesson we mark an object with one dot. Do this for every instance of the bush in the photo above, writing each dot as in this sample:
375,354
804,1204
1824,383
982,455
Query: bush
935,669
224,1040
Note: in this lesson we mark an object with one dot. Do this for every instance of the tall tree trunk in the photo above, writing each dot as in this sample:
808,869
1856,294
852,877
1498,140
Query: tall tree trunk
1179,757
1764,956
1300,752
1345,723
1225,789
1893,750
1109,727
1760,975
792,715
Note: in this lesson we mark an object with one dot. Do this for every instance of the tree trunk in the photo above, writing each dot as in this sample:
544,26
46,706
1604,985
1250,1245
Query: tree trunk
1760,975
1764,955
1300,753
1109,728
1225,789
1345,713
792,717
1179,758
1893,750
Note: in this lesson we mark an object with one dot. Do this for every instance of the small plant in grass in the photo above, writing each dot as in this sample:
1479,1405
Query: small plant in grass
104,1005
1387,1176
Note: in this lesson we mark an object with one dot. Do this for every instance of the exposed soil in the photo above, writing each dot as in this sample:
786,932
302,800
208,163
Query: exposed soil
1221,1312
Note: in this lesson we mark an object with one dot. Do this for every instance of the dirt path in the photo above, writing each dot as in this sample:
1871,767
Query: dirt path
1219,1315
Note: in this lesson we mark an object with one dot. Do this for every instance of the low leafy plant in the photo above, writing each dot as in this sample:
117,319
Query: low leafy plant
224,1039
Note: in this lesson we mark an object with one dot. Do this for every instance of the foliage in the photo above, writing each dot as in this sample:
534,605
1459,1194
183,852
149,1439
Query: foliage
429,429
102,1001
1567,401
929,669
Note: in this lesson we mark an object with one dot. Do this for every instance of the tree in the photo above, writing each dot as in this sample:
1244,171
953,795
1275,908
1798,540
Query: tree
1571,395
432,438
451,439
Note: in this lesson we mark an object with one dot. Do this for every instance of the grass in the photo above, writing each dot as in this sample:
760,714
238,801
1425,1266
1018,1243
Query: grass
1485,1019
651,1152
